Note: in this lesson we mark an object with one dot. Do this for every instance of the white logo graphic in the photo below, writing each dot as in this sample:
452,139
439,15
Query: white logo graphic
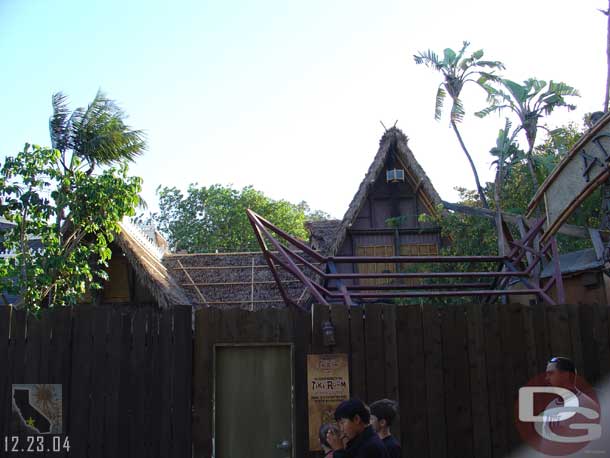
555,413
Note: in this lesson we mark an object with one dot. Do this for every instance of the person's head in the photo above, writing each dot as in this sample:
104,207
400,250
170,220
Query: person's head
383,413
560,372
324,429
352,416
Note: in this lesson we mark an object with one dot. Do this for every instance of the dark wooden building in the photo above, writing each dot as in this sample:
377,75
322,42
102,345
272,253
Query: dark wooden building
385,215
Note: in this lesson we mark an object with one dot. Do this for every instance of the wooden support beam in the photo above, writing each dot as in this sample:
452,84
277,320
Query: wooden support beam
598,243
567,229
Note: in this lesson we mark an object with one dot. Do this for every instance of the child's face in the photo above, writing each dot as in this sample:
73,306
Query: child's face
350,428
375,423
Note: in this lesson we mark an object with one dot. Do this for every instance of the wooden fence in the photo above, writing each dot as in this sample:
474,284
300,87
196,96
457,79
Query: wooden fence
125,376
455,370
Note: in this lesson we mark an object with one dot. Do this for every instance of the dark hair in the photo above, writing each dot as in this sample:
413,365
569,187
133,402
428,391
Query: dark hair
352,407
563,364
384,409
324,429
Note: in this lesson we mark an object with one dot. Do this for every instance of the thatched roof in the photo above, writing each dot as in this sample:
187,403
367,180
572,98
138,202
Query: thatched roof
145,257
322,234
231,280
393,138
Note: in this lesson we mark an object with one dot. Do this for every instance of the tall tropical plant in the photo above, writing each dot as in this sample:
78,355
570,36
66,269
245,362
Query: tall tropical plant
458,69
96,135
93,136
507,153
529,101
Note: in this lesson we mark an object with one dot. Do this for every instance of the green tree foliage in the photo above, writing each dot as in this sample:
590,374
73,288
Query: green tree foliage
474,235
210,219
72,211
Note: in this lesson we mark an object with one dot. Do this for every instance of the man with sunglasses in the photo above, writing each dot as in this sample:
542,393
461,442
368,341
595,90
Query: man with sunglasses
561,373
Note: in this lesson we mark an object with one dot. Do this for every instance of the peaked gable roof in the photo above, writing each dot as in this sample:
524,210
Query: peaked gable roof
394,139
145,257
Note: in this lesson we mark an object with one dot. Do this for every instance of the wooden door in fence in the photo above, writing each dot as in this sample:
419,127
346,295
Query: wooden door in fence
275,341
253,401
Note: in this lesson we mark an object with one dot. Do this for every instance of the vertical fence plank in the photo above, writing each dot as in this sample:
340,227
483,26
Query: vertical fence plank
125,395
373,328
339,315
5,406
15,369
321,313
60,361
478,382
390,347
590,371
516,344
456,380
559,330
389,351
435,394
99,373
575,336
165,341
601,333
543,344
182,383
113,380
202,391
412,382
301,322
358,355
136,401
157,388
463,383
78,427
495,380
530,337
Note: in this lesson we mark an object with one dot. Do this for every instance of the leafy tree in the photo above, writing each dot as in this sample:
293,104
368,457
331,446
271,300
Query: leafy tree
457,70
529,101
474,235
210,219
38,192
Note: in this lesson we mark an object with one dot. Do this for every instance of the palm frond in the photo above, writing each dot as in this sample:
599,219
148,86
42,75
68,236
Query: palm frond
429,58
58,122
101,136
487,111
457,111
440,98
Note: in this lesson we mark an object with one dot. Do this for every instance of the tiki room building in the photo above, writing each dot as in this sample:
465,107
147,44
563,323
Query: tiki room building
382,220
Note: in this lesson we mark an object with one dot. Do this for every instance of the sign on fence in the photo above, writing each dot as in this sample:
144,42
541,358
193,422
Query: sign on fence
327,386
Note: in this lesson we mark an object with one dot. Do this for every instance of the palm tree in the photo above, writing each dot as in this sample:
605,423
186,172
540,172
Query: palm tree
457,70
507,154
97,134
530,101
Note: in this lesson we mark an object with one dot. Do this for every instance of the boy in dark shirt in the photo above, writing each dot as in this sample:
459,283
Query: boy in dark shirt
360,440
383,413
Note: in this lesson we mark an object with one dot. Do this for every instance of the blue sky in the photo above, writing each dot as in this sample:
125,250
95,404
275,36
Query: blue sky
285,96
